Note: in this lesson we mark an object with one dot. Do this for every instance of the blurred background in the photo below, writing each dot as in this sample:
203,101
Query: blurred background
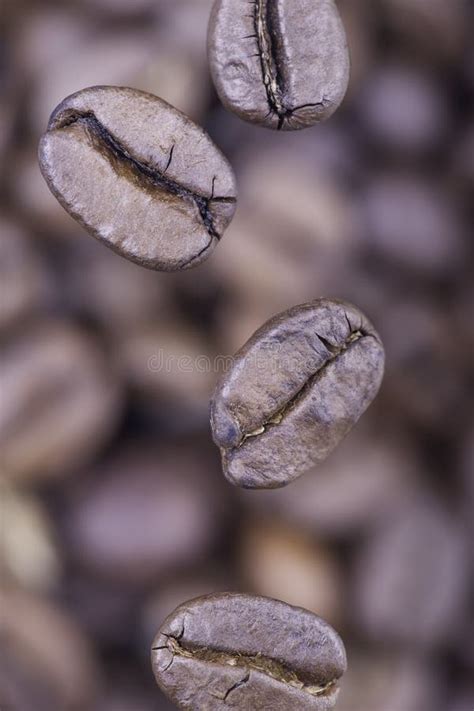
113,506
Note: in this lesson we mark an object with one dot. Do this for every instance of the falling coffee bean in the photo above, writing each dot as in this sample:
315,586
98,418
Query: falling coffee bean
294,391
279,63
139,175
241,651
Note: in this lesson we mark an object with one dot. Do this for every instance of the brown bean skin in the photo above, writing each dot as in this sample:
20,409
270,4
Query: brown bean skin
279,63
295,390
240,651
138,175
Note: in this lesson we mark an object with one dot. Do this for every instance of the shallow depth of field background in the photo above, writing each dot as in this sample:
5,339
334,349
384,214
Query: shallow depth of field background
113,506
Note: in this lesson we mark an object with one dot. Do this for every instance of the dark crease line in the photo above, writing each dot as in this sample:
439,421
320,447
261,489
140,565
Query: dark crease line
195,257
275,419
235,686
258,663
157,178
268,42
265,29
170,158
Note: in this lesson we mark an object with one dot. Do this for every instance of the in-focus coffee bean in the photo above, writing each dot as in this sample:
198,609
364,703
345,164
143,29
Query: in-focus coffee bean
294,391
139,175
279,63
241,651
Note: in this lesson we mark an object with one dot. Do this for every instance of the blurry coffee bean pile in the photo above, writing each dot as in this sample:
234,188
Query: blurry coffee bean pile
113,505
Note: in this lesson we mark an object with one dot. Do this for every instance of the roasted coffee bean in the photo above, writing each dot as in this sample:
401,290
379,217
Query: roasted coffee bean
139,175
60,400
390,680
145,513
47,660
247,652
294,391
280,561
410,579
279,63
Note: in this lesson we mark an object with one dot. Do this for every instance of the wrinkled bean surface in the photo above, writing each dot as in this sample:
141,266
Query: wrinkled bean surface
283,64
294,391
247,652
139,175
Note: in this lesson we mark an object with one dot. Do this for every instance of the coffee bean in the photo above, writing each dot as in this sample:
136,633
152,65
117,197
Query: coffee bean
392,680
414,561
139,175
280,561
47,660
284,65
60,400
294,391
24,282
247,652
145,513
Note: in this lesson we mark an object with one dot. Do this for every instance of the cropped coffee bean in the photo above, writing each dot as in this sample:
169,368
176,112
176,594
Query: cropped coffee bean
247,652
139,175
283,64
294,391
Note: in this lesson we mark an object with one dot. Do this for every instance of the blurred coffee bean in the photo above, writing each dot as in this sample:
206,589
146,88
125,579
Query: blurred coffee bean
463,160
263,268
378,680
23,277
89,274
7,118
463,321
122,8
403,109
303,198
467,488
245,651
146,59
101,606
30,555
146,511
279,66
281,562
364,479
171,369
186,22
433,29
42,38
359,21
50,659
99,153
410,580
294,391
412,223
26,691
464,701
60,400
467,457
425,376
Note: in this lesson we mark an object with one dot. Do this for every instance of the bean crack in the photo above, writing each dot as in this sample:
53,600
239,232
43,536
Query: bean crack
277,417
121,158
272,668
